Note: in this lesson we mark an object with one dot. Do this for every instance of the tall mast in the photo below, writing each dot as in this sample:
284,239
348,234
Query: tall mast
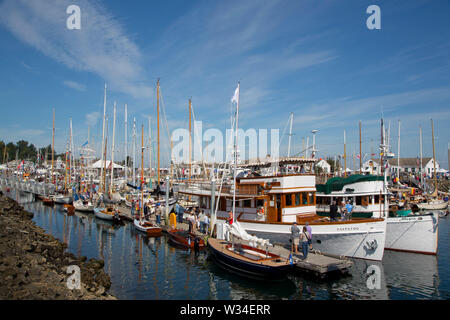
126,144
142,172
235,153
435,193
53,145
421,168
113,150
290,134
190,138
345,158
71,163
398,151
157,120
103,138
104,163
150,148
134,151
360,149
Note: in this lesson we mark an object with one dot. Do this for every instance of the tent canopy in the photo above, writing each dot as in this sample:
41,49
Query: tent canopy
99,164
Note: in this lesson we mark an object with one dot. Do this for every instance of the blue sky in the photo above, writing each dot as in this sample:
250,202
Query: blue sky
316,59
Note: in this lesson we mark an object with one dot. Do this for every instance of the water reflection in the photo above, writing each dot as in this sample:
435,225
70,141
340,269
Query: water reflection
151,268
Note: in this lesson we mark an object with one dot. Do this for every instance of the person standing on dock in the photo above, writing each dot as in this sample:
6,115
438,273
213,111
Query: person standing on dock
308,228
304,241
158,213
295,237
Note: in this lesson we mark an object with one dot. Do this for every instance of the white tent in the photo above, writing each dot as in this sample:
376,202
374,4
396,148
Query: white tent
99,164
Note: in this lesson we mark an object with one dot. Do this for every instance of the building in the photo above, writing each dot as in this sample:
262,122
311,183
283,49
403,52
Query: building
324,165
407,165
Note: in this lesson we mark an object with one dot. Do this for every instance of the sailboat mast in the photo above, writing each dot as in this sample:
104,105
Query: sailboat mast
126,145
235,154
102,187
345,158
290,135
104,163
142,172
134,151
434,162
53,145
421,168
398,151
70,152
150,149
360,149
113,149
157,120
190,142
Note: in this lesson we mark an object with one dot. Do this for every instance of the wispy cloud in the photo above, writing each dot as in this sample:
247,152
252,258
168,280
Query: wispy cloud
92,118
74,85
101,46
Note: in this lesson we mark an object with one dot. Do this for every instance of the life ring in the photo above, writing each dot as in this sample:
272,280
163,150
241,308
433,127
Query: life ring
260,212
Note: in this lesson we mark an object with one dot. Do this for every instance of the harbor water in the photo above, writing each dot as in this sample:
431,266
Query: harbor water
151,268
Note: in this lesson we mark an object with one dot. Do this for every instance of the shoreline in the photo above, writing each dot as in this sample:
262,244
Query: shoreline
33,264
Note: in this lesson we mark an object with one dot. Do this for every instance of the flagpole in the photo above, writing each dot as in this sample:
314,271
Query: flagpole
360,149
421,169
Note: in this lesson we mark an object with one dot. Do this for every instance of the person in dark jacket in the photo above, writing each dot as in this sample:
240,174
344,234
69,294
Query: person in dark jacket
333,211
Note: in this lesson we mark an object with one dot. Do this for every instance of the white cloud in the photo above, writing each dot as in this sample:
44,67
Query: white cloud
74,85
101,46
92,118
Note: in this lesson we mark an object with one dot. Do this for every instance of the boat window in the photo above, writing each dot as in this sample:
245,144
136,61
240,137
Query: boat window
358,201
297,199
311,199
259,203
247,203
288,200
304,198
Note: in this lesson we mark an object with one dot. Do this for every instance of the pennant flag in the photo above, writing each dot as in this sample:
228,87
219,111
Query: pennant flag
21,164
291,261
84,144
358,156
236,95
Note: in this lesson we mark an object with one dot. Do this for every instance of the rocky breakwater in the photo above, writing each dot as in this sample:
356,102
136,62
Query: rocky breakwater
34,265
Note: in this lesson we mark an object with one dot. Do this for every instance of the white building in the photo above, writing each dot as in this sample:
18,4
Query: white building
407,165
324,165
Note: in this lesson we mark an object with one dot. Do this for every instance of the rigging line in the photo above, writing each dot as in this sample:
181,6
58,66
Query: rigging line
284,131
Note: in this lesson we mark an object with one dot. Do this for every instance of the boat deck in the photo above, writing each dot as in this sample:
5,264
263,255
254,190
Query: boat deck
317,264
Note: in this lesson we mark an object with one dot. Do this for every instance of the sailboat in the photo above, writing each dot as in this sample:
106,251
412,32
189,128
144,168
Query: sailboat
435,203
141,224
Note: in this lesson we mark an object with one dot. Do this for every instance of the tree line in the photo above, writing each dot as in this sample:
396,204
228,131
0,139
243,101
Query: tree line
23,150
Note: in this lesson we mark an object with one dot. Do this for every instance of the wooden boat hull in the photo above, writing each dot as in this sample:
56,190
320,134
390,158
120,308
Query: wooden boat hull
62,199
79,206
433,206
264,268
48,202
69,208
181,238
149,228
99,213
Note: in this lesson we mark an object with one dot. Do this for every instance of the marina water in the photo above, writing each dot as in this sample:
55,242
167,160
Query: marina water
151,268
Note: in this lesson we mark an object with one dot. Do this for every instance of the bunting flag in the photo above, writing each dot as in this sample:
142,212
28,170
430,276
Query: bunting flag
21,164
291,261
84,144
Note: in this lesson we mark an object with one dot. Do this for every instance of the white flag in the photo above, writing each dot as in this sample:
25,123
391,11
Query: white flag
236,95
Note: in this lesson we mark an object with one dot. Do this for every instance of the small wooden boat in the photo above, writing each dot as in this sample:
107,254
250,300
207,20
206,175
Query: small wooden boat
104,213
70,209
48,201
84,207
248,261
62,199
148,227
185,239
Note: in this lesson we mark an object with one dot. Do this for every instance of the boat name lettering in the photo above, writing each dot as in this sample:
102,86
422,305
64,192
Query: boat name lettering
347,228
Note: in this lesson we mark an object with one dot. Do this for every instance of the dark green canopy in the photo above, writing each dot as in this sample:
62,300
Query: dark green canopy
338,183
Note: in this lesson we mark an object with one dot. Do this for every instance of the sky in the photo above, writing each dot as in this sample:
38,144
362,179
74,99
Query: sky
315,58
